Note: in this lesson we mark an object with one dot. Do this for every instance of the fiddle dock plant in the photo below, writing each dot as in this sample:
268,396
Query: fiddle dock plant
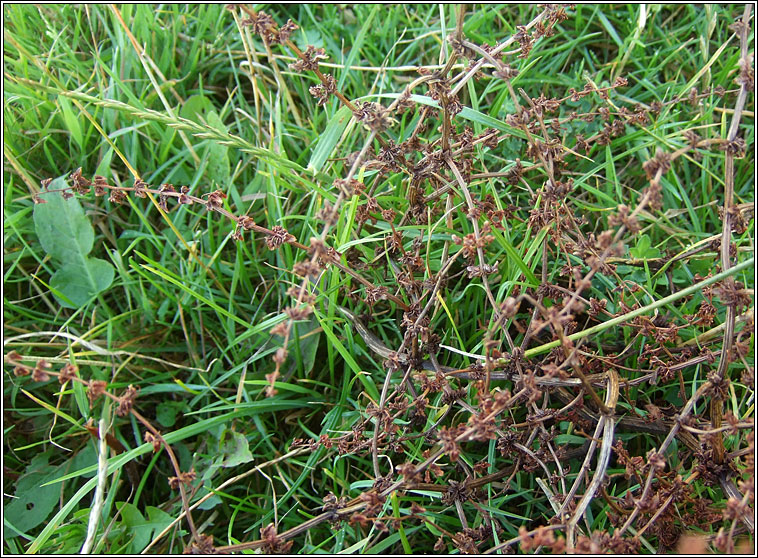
447,278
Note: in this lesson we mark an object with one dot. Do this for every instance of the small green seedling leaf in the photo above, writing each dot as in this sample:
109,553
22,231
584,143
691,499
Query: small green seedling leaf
143,530
195,106
67,236
643,249
234,448
165,413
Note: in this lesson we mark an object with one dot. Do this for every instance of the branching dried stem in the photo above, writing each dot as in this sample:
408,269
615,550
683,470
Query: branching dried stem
662,448
717,403
607,425
466,76
177,470
568,379
478,237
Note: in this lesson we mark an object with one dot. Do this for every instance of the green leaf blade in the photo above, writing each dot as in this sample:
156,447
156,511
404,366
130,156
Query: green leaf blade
67,236
62,228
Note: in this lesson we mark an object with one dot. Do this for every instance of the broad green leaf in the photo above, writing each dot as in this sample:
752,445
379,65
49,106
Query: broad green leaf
33,502
67,236
643,249
165,413
64,231
305,345
133,519
105,162
143,529
234,449
210,503
79,282
194,106
158,519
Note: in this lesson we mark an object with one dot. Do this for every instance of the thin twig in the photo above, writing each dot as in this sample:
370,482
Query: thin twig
606,420
717,404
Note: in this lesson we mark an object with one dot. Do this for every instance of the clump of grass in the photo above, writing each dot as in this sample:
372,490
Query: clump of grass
528,342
